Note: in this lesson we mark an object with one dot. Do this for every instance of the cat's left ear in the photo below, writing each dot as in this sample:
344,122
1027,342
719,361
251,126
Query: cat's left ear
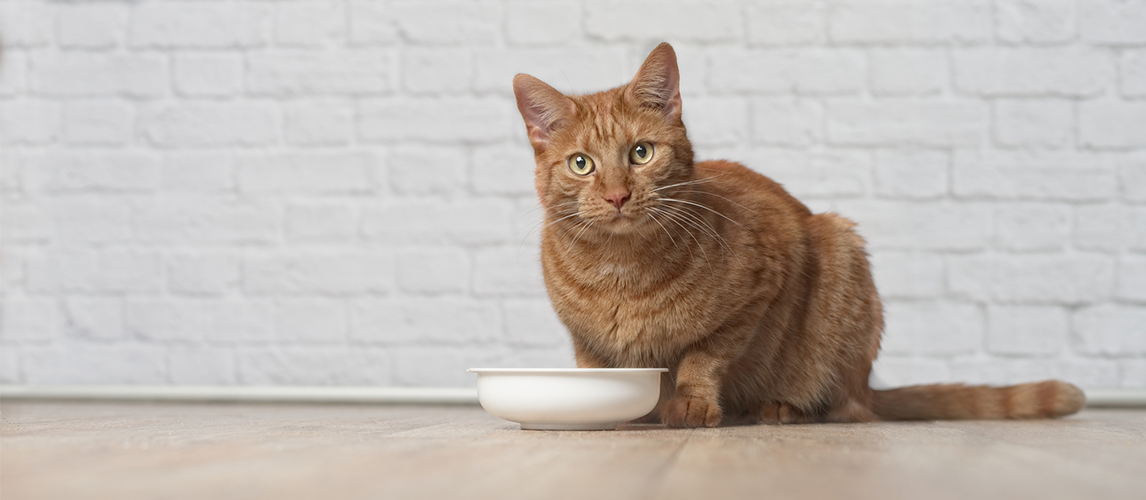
657,84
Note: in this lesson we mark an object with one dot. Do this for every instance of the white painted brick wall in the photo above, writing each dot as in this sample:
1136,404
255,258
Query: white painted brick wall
340,191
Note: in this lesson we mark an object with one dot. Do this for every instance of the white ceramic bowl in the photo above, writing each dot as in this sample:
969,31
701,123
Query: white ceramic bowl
569,398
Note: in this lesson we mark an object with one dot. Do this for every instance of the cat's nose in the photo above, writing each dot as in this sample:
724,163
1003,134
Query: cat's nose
617,198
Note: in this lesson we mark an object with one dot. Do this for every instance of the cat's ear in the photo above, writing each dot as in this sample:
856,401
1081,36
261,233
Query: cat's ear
542,107
657,84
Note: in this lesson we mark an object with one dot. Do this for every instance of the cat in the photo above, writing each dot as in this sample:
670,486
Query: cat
762,311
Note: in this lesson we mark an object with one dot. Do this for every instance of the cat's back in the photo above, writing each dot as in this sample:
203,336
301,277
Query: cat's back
758,202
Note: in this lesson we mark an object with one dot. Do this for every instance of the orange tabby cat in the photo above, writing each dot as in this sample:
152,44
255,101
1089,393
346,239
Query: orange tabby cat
761,310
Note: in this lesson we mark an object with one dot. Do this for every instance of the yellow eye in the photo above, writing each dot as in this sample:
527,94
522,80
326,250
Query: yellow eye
581,164
641,153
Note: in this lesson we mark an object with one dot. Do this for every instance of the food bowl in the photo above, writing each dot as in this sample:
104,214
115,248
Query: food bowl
568,398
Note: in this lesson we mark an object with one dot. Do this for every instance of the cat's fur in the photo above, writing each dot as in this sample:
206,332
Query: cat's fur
761,310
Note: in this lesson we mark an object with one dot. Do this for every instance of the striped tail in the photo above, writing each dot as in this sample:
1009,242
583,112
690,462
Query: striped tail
1047,399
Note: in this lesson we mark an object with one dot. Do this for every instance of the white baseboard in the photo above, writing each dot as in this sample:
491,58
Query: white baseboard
1096,398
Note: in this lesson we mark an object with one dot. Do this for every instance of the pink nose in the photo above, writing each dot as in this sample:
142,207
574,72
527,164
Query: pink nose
617,198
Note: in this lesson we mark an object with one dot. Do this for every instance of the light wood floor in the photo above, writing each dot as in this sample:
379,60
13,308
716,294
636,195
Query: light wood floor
78,450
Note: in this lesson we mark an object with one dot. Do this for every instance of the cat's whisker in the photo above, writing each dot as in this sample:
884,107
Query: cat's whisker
676,219
653,217
707,227
690,182
672,219
710,209
585,225
719,196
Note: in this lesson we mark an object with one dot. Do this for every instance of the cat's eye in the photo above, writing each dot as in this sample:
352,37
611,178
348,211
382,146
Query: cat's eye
581,164
641,153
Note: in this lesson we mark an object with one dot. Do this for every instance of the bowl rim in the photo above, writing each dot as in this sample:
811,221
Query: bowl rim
565,370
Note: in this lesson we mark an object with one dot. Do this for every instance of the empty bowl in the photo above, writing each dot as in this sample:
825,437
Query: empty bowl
568,398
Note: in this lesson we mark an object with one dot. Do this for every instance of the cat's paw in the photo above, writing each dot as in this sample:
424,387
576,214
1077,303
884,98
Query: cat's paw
691,412
782,413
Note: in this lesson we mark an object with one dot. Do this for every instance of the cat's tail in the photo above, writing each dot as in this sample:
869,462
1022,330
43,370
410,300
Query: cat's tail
1047,399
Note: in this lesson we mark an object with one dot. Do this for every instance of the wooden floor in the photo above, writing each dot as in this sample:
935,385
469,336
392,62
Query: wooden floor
78,450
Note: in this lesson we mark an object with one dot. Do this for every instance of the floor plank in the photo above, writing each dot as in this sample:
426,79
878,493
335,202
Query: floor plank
172,450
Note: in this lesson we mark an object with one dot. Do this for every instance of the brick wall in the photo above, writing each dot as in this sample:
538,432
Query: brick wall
340,192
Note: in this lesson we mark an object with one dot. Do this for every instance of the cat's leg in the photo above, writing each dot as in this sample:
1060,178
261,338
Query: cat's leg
696,402
586,358
784,413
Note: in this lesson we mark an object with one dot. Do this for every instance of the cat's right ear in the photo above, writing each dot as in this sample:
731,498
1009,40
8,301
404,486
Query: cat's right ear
542,107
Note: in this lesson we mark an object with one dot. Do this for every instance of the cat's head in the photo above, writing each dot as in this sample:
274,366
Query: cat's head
606,158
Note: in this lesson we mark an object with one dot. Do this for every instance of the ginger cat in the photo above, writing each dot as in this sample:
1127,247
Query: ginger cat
761,310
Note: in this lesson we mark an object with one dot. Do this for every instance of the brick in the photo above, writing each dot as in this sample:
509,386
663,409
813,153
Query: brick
86,171
687,21
217,320
196,219
310,24
102,123
911,173
1112,125
907,275
95,364
12,268
427,170
442,367
25,222
10,365
319,123
314,365
436,71
208,74
1035,21
197,365
1033,123
1003,371
450,120
532,322
906,21
834,174
206,172
786,23
1131,281
185,24
342,272
897,371
908,71
1027,330
416,221
1110,329
912,225
31,320
550,23
1090,372
1109,227
92,26
95,271
1134,373
87,220
14,72
532,357
907,122
333,172
1033,175
27,24
512,271
1112,21
448,23
787,71
1034,279
29,122
202,273
76,74
527,219
210,124
310,321
579,71
433,270
782,122
932,328
1133,176
1029,71
443,321
321,223
502,170
1032,227
718,120
95,317
321,73
1132,73
372,23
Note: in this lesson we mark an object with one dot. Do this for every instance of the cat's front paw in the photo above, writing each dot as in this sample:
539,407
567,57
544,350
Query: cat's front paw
691,412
